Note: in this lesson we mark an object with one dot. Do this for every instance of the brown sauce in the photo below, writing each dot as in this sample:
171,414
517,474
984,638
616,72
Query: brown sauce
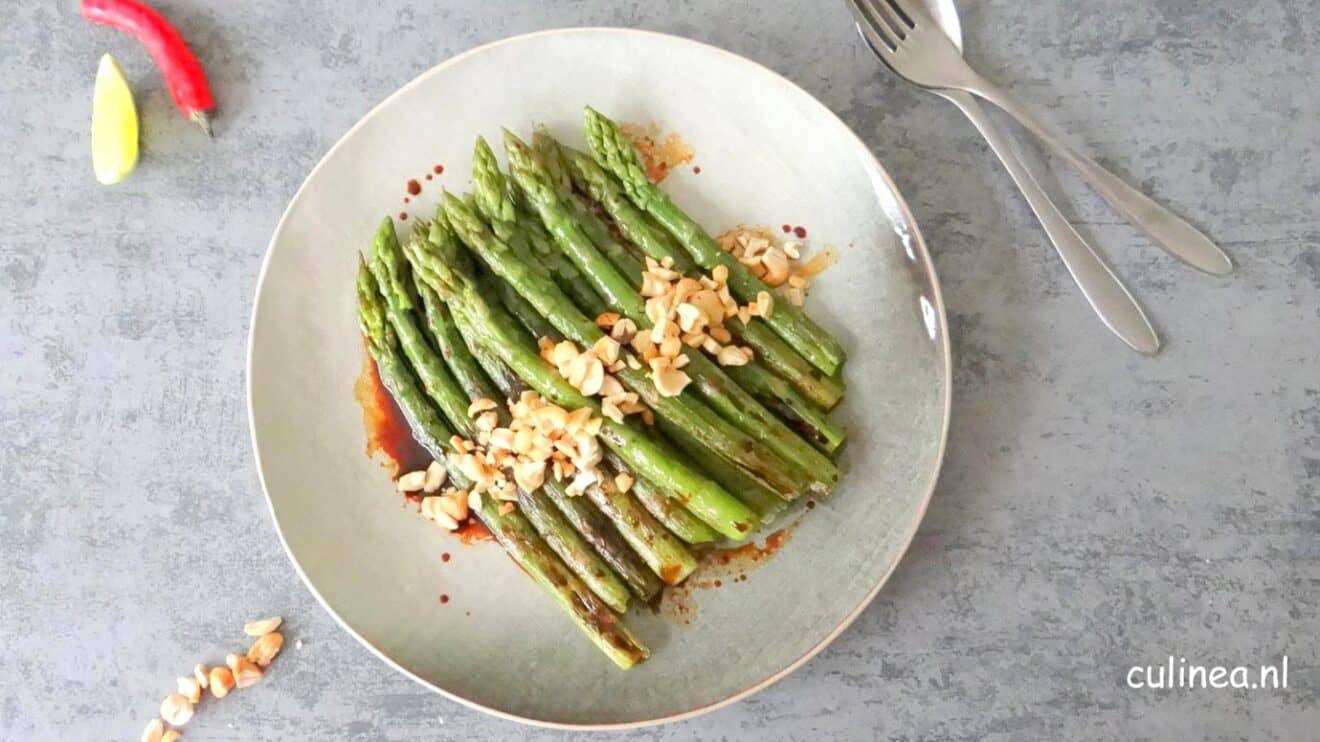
719,567
388,437
473,532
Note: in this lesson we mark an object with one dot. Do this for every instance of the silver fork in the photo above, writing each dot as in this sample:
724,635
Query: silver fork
912,44
1103,291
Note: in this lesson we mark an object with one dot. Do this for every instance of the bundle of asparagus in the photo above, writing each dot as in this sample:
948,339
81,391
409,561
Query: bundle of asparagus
567,344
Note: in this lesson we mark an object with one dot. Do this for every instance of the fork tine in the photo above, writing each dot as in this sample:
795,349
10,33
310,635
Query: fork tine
911,12
881,23
894,17
882,39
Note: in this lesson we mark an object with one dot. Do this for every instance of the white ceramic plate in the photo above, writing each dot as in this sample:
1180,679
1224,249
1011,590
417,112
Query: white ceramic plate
770,154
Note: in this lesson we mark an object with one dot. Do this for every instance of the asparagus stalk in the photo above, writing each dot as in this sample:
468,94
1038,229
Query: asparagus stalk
734,403
594,526
652,240
576,552
511,530
615,153
665,506
684,410
496,331
494,200
663,552
505,379
451,346
599,569
657,547
390,272
764,501
752,491
808,419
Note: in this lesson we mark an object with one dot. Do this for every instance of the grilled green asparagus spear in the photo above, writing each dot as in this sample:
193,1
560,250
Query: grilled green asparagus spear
746,487
391,271
655,545
658,244
512,530
551,200
808,419
494,200
685,410
505,379
663,552
387,265
764,501
451,346
727,397
497,331
615,153
665,506
586,519
642,578
576,552
579,548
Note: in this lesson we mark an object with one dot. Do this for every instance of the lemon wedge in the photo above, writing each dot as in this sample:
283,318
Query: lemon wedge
114,124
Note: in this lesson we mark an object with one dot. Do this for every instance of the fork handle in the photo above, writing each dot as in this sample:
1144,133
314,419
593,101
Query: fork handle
1105,292
1168,230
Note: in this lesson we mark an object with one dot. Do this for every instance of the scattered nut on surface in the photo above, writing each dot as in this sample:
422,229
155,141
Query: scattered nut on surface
264,649
172,735
176,709
246,672
191,689
262,626
155,728
222,681
202,675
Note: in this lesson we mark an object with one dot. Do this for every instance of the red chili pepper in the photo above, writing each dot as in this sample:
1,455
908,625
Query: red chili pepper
183,73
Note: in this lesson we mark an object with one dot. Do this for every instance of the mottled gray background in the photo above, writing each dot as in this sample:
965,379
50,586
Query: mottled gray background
1097,509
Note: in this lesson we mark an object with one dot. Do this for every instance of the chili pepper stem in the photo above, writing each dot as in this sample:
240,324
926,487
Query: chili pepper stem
201,119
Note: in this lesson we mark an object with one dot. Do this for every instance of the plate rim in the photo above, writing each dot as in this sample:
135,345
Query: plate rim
923,259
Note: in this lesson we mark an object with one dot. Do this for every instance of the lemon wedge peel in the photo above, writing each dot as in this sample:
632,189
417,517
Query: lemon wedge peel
114,124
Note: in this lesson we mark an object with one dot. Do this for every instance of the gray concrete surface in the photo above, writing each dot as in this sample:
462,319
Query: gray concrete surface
1097,510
